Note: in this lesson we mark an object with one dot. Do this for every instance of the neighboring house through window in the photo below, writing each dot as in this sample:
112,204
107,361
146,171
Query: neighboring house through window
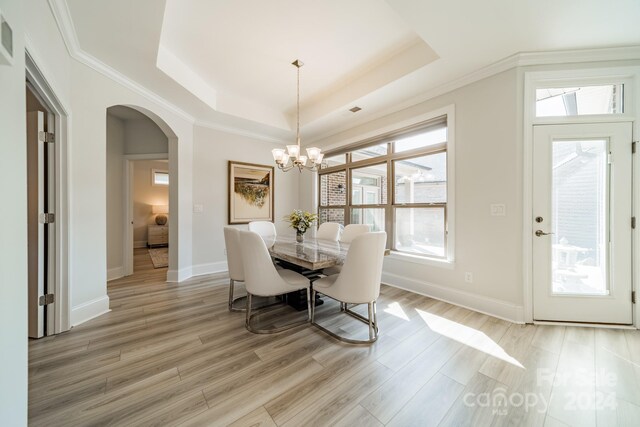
396,183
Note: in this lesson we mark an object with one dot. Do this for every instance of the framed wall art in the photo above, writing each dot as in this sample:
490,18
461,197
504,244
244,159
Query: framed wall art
251,192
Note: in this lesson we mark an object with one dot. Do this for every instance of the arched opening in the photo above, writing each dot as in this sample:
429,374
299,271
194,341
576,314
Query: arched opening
142,192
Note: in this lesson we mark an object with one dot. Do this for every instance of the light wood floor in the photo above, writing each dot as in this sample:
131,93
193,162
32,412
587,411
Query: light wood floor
172,354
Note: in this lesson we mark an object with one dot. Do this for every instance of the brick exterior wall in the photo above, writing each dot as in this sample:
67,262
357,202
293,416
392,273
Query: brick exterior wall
333,192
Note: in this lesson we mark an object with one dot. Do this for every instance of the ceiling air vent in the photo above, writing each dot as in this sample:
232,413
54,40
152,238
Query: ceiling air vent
355,109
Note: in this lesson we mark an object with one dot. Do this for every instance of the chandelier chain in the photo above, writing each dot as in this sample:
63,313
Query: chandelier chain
298,109
293,157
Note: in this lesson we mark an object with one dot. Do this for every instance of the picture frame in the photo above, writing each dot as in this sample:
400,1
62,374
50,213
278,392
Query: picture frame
250,192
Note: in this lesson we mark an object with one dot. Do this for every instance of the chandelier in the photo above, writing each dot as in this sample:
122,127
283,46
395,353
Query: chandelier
292,157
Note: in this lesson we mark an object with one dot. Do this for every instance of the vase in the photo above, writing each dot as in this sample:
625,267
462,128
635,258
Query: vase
299,237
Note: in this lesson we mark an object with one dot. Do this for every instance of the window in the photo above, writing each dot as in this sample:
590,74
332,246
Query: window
396,183
579,101
159,177
328,162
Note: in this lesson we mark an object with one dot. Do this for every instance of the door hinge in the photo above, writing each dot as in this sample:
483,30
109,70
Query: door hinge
633,147
46,299
633,297
633,222
46,137
47,218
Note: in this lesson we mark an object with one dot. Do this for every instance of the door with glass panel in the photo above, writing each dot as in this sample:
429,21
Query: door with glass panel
582,208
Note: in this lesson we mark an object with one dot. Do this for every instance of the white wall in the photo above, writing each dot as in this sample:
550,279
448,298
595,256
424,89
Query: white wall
212,150
115,201
144,137
145,196
88,98
13,243
488,165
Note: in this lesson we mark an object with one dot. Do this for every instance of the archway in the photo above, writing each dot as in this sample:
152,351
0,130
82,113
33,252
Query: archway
143,151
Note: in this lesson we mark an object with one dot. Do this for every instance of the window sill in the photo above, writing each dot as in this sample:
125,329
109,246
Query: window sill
416,259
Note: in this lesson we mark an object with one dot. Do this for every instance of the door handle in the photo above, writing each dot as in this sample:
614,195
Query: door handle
540,233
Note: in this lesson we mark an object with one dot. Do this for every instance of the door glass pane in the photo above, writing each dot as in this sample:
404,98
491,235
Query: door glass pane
578,101
421,179
333,189
372,216
580,217
420,231
331,215
369,185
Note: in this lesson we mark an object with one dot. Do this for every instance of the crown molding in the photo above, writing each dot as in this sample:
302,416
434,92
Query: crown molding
62,16
618,53
236,131
521,59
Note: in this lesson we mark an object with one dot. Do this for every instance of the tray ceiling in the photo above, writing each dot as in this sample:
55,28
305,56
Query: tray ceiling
228,62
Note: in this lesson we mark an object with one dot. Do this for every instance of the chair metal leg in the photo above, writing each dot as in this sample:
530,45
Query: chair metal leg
313,305
371,332
248,310
371,322
232,284
310,303
249,316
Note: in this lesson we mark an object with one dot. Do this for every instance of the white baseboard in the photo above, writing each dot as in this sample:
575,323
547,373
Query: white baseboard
115,273
176,276
88,310
486,305
137,244
209,268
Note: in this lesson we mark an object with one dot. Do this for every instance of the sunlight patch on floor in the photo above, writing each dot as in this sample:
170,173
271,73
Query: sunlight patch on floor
466,335
395,309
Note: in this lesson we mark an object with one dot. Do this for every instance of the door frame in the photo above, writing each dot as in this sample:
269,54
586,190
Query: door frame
127,193
60,118
630,76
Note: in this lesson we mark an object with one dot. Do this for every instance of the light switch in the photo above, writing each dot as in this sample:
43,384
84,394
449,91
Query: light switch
498,210
198,208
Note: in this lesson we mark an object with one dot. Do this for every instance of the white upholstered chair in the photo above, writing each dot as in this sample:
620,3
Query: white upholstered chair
262,278
234,262
349,233
357,283
263,228
329,231
352,231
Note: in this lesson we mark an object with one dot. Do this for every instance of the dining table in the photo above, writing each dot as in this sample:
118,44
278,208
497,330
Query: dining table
308,257
310,254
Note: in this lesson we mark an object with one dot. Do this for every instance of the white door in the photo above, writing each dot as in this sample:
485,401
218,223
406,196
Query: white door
36,227
582,208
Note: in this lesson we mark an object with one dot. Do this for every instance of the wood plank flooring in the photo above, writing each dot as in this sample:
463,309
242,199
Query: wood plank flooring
170,354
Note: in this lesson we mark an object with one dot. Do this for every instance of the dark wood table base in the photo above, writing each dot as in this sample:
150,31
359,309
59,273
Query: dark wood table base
298,299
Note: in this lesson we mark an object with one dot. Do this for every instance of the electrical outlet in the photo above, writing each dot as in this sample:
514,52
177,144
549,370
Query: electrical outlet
468,277
197,208
498,210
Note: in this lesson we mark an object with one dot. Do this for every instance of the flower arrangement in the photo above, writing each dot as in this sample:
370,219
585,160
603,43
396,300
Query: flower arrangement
300,220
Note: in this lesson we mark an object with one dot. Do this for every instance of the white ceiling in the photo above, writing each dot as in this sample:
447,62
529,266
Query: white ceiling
228,62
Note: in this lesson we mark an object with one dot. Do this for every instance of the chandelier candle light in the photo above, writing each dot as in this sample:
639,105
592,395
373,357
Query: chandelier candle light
292,156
